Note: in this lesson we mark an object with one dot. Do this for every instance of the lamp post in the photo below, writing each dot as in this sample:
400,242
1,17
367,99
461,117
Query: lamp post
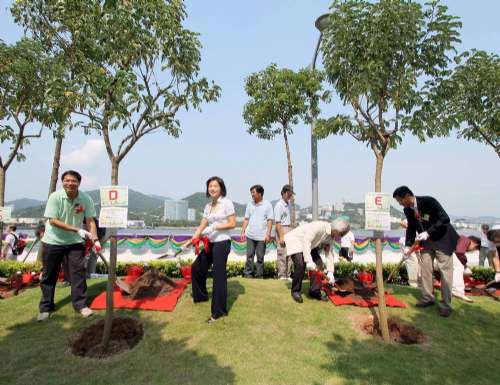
321,23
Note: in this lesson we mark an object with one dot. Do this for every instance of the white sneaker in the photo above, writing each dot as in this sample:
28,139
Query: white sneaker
86,312
43,316
282,278
463,298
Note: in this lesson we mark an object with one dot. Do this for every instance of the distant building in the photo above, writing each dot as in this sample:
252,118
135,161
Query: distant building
136,224
175,210
191,215
26,221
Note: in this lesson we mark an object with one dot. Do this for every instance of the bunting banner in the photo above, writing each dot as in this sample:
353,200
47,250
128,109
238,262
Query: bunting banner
175,243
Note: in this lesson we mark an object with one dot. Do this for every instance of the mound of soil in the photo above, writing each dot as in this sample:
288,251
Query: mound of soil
126,332
152,283
358,289
399,331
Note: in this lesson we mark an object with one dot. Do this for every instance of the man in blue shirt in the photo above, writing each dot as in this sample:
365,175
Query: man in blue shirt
256,230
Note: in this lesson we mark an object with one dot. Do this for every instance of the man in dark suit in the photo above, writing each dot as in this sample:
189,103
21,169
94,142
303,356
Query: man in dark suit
429,225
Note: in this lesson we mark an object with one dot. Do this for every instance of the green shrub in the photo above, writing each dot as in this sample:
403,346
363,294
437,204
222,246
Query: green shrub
483,273
235,269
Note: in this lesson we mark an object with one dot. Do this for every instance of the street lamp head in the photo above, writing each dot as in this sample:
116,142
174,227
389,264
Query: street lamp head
322,22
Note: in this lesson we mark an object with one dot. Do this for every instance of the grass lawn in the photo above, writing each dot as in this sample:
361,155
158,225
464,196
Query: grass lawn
267,339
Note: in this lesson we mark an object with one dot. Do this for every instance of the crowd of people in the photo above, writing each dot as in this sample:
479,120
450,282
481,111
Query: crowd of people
430,241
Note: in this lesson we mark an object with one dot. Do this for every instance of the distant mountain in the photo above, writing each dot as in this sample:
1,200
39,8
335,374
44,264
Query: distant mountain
198,201
24,203
139,205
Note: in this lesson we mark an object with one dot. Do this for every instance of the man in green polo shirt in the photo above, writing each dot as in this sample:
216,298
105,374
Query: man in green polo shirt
65,212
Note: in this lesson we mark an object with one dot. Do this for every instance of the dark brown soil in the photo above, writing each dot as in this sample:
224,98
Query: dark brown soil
358,289
479,291
151,284
126,332
399,331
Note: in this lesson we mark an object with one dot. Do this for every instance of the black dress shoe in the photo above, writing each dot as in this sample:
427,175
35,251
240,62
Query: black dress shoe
297,297
444,312
421,303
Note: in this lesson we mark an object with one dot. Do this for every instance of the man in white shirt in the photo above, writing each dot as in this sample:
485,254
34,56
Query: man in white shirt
11,240
303,244
347,246
256,230
283,219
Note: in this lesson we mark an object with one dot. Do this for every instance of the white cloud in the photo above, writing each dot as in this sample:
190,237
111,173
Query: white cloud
91,154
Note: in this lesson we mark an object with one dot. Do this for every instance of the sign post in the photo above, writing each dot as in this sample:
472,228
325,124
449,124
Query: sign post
378,219
113,215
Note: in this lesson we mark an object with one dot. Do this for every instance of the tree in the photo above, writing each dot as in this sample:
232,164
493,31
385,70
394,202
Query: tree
469,100
136,66
27,76
279,99
382,58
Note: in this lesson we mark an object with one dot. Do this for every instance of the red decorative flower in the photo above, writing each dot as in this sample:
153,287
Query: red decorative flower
79,209
417,215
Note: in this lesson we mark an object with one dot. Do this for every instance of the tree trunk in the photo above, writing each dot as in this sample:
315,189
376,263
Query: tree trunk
290,177
378,173
113,252
3,171
2,203
56,163
378,257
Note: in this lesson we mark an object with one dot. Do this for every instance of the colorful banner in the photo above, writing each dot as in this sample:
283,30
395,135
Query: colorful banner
175,243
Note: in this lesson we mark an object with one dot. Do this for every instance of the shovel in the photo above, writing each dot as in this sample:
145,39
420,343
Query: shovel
125,287
416,248
31,248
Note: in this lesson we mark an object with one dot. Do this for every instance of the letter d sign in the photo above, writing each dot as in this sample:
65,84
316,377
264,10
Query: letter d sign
113,195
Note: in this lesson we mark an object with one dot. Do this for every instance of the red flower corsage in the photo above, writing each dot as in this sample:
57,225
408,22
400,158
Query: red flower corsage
79,209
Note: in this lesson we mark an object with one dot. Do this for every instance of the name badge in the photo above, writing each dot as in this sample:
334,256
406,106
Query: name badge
426,217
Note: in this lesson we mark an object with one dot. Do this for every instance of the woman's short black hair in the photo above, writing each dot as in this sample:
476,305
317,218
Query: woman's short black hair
74,173
401,192
258,188
221,183
476,240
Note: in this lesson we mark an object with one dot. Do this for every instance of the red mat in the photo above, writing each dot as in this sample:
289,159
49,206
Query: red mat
350,300
163,303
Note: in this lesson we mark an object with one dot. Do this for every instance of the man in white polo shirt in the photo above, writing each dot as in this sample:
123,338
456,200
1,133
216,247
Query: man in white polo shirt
283,219
256,230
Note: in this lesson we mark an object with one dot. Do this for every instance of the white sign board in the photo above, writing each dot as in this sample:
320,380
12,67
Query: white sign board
113,217
377,211
114,196
5,214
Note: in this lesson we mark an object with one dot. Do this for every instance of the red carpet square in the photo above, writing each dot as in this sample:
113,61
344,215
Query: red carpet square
363,302
163,303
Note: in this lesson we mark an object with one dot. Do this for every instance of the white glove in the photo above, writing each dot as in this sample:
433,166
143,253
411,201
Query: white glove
97,246
497,277
310,266
330,277
84,234
422,236
208,230
467,271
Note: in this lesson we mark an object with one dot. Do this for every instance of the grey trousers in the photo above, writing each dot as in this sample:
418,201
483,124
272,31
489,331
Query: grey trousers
445,265
255,248
283,261
484,254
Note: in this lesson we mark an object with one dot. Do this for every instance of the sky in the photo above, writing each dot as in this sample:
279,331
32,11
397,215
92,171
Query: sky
240,38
